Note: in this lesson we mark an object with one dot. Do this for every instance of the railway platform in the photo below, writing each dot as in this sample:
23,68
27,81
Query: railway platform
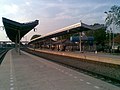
29,72
100,57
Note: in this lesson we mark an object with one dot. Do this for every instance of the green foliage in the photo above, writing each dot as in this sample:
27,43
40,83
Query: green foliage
117,38
99,36
113,16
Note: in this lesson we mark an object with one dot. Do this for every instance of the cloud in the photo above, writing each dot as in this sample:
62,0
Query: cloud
11,9
27,3
60,0
54,14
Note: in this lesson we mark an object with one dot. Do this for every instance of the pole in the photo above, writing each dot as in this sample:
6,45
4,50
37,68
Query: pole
110,37
113,43
80,41
16,43
50,44
19,42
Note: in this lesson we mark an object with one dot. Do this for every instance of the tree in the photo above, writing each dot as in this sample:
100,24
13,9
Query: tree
117,38
113,16
99,34
113,19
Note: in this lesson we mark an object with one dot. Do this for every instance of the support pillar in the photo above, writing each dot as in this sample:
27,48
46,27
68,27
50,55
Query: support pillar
19,42
80,41
16,43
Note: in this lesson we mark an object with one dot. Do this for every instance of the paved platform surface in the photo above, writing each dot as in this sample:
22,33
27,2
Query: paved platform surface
101,57
29,72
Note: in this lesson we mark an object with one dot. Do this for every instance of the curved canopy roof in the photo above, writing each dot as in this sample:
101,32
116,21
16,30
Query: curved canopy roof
78,27
13,28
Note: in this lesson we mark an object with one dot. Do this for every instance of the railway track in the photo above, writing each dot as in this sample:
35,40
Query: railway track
2,55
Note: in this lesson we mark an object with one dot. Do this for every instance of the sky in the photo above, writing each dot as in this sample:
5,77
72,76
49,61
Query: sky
53,14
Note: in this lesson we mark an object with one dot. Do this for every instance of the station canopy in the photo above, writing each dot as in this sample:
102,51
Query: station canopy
78,27
15,30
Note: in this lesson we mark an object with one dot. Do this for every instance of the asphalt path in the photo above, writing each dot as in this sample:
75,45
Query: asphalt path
29,72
